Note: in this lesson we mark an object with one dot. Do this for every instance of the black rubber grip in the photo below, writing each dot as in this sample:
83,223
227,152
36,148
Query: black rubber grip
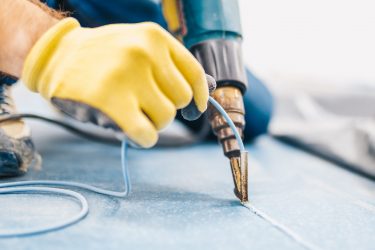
191,111
222,59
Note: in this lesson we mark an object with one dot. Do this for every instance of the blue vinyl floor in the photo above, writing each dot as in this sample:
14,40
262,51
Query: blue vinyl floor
182,199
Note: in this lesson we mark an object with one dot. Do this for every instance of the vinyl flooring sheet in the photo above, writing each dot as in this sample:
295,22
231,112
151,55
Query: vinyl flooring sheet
182,198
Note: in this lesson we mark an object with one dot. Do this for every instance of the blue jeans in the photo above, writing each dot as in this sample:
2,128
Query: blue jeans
91,13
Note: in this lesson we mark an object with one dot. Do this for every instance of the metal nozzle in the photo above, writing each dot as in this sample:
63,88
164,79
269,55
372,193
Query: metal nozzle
244,177
231,99
239,166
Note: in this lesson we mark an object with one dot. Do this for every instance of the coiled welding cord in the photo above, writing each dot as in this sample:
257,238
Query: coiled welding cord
22,187
50,187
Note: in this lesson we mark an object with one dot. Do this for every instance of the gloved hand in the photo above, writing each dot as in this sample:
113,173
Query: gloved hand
135,75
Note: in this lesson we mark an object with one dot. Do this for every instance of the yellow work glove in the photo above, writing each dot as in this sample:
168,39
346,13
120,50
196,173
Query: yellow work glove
135,75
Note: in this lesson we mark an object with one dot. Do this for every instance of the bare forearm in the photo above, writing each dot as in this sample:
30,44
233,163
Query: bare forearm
21,24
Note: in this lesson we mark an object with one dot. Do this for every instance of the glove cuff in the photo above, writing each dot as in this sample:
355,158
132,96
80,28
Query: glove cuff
40,54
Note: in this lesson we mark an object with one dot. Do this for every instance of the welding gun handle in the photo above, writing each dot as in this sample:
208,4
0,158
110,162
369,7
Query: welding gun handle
191,111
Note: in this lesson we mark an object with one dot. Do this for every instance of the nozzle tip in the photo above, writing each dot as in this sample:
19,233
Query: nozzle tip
239,167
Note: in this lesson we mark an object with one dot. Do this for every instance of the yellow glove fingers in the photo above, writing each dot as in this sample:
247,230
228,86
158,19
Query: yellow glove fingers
138,75
126,113
174,85
158,107
193,73
137,127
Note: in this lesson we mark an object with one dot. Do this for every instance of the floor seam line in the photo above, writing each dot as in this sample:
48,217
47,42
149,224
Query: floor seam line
280,227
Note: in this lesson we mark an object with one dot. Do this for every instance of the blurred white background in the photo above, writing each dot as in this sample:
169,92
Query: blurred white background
318,58
310,44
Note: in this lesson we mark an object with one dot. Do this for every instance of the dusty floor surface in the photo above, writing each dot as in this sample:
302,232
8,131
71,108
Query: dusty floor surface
182,199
